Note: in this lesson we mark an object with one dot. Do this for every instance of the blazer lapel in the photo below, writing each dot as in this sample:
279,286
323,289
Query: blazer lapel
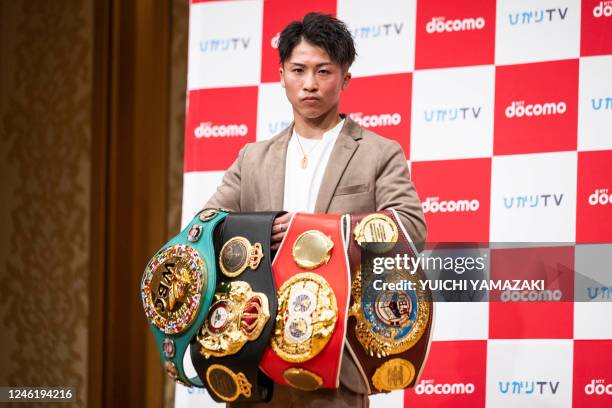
341,154
276,168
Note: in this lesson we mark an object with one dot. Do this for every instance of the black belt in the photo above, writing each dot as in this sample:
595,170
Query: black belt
229,346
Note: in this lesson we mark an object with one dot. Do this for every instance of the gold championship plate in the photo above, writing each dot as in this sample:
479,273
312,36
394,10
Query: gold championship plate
236,316
306,319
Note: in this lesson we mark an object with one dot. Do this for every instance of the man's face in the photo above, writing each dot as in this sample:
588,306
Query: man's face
312,81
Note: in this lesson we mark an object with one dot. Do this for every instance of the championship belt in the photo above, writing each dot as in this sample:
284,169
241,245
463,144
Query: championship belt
228,348
389,331
177,287
312,274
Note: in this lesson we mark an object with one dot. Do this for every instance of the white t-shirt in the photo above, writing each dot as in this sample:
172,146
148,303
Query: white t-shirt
302,185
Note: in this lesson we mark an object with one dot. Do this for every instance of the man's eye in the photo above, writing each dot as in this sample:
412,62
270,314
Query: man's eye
296,70
324,71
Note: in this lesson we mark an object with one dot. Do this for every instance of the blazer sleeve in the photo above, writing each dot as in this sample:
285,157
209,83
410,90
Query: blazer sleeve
394,189
229,191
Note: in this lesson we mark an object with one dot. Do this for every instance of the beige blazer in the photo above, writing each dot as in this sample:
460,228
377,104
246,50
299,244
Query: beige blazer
366,172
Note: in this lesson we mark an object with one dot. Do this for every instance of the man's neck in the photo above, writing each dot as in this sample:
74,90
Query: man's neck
314,128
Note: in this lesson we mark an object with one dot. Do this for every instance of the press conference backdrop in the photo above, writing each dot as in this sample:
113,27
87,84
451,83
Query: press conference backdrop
504,105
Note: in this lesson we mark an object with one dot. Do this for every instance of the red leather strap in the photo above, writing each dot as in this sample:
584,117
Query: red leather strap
325,364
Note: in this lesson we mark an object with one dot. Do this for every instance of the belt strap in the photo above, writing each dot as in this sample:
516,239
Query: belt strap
227,350
177,288
389,331
312,275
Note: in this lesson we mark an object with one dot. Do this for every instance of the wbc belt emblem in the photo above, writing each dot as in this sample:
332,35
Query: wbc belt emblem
171,288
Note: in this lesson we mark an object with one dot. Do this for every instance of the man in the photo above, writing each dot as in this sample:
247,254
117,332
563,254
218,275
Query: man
322,163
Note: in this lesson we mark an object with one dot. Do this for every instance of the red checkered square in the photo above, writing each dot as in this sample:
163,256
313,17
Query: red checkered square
381,104
594,196
592,373
596,27
536,107
215,134
454,376
532,314
453,34
277,14
456,198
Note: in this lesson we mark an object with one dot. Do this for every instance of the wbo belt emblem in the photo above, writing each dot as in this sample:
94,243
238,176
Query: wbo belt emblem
237,254
236,316
307,314
172,286
389,322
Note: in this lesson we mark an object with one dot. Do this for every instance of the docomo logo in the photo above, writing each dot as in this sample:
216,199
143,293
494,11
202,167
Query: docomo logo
519,109
428,387
372,121
598,387
603,10
434,205
441,25
600,197
275,39
531,295
207,129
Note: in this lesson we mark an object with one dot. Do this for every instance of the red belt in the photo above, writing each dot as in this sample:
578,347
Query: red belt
312,276
389,331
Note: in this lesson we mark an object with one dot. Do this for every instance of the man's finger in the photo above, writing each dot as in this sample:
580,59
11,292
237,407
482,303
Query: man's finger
278,237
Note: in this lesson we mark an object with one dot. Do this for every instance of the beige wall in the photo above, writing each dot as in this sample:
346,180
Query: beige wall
45,137
48,159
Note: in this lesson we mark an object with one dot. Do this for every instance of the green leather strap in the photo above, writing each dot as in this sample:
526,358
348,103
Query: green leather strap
173,351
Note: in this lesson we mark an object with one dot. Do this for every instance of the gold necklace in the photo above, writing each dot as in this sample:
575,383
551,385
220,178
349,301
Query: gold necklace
304,154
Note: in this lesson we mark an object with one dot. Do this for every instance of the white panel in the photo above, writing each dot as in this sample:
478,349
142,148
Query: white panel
533,198
514,369
595,103
452,113
274,111
537,30
384,33
224,44
198,187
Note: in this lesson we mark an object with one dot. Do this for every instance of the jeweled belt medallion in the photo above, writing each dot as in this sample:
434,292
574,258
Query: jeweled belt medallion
307,314
389,322
237,315
172,286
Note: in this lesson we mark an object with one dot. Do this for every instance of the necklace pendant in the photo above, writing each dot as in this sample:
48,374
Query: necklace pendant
304,162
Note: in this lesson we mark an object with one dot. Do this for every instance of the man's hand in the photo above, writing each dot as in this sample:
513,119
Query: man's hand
279,229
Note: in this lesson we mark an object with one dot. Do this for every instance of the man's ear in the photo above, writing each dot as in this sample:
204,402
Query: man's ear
282,79
346,80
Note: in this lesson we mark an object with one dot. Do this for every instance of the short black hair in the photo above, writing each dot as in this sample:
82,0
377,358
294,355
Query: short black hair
321,30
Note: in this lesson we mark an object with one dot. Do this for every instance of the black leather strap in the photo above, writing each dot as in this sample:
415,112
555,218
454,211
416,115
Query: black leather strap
256,228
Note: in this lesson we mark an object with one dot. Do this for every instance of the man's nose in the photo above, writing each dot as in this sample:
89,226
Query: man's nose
310,82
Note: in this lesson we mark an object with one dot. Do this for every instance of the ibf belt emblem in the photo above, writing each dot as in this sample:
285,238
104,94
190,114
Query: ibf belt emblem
306,319
236,316
171,288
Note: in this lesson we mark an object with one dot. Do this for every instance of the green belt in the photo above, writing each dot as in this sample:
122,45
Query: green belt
177,288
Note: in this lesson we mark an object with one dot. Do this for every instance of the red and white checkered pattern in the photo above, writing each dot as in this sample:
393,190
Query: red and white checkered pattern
493,102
